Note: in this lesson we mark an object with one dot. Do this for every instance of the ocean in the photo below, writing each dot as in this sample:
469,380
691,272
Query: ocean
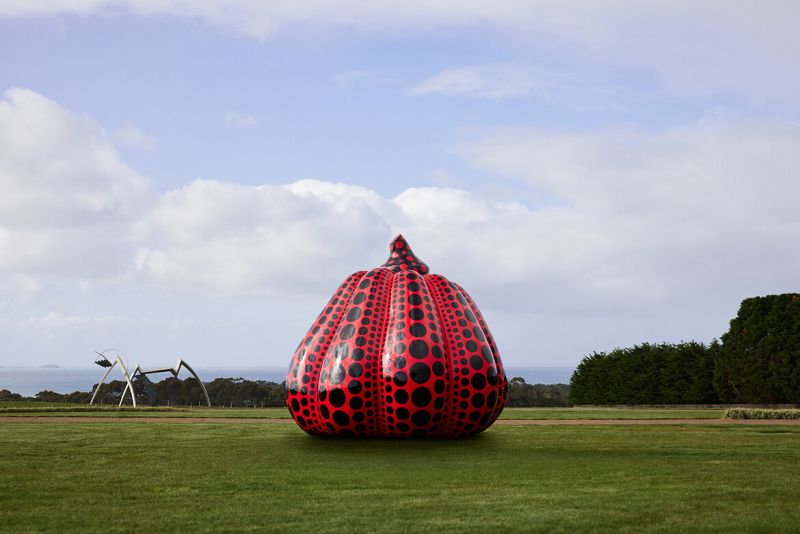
28,381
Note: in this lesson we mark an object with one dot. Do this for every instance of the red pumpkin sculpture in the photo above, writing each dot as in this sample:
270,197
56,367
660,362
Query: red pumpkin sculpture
397,352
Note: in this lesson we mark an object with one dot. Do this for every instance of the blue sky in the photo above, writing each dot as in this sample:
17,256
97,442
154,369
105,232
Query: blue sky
195,178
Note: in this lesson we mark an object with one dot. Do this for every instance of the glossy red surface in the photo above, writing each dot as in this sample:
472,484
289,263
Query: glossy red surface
397,352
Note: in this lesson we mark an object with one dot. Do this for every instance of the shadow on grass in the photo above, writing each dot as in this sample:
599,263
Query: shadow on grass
411,447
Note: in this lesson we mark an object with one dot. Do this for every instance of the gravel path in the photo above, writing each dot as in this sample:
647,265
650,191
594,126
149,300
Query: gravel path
250,420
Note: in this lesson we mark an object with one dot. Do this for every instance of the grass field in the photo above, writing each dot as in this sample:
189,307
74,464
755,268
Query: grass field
158,477
9,409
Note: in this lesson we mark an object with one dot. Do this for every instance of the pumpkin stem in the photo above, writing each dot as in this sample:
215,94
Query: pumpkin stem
402,258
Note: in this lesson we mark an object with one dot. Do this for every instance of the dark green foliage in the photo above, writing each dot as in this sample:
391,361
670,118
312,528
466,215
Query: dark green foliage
6,395
176,392
522,394
74,397
647,374
760,357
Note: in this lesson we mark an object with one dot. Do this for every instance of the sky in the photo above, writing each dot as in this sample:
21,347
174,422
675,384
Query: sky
194,178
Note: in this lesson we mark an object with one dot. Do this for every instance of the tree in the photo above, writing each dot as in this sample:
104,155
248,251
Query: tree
759,360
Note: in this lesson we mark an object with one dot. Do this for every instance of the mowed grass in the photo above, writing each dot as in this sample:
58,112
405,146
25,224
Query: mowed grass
85,477
57,410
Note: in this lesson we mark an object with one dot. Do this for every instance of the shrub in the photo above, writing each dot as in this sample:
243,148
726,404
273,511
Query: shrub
761,413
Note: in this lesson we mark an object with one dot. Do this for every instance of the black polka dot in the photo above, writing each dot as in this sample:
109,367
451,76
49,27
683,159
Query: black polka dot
402,414
399,348
472,346
420,372
353,314
364,283
355,370
421,418
471,316
402,427
438,386
359,298
477,400
400,379
358,354
418,330
478,333
413,286
438,368
418,348
414,299
399,362
491,375
491,399
341,418
401,396
476,362
325,411
436,351
478,381
421,397
356,403
416,314
337,398
354,387
487,354
347,332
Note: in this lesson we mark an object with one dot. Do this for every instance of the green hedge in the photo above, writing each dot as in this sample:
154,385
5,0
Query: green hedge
761,413
647,374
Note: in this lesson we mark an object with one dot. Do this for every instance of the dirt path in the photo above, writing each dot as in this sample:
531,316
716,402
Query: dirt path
250,420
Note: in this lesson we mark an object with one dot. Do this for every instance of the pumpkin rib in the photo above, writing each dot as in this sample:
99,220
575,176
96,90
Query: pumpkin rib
501,373
346,408
475,386
448,409
294,384
414,392
380,378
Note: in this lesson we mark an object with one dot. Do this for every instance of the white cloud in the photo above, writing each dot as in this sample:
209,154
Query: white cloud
495,80
66,198
707,208
219,237
239,120
348,78
129,136
514,79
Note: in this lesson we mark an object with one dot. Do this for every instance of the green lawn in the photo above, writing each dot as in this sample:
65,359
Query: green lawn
509,413
160,477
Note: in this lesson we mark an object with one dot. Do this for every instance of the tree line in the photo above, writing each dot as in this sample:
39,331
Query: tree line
757,361
238,392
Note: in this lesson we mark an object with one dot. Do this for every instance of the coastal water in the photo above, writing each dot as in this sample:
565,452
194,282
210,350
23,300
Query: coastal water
28,381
